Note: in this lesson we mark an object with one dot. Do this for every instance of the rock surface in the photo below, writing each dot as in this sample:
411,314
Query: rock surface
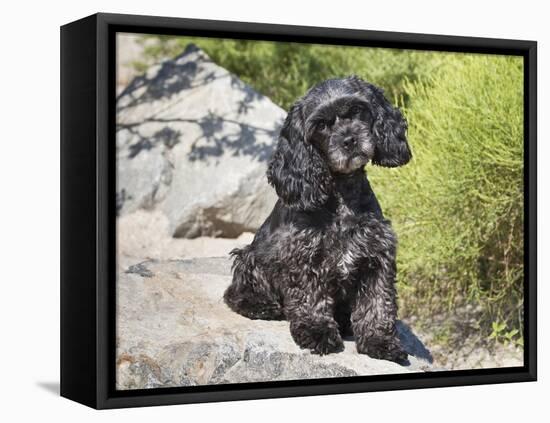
173,329
145,234
193,142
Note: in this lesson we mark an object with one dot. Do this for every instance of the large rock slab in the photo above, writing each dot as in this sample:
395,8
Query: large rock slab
173,329
145,234
193,141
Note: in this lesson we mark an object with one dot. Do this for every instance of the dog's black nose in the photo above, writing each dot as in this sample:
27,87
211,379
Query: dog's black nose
349,142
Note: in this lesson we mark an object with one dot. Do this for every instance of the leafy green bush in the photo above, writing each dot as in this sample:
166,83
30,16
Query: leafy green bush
458,206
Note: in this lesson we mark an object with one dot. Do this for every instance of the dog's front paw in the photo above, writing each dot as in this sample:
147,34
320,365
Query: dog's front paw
383,349
321,337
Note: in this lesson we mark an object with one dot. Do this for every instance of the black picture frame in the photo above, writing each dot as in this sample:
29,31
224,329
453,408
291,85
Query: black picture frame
88,210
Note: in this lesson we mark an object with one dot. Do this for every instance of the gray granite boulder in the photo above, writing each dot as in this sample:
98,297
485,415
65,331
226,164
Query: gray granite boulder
193,141
173,329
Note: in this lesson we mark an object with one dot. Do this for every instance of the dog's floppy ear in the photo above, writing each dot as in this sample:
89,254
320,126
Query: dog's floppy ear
389,128
296,170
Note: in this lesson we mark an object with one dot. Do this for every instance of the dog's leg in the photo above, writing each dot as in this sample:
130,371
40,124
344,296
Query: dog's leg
375,312
312,323
250,293
369,256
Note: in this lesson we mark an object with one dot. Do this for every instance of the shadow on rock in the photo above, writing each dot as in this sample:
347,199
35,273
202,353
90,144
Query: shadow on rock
412,344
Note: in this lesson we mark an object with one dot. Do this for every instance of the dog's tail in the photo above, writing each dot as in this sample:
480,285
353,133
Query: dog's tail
237,255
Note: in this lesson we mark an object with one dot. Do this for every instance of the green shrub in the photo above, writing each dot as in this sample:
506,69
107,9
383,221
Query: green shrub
458,206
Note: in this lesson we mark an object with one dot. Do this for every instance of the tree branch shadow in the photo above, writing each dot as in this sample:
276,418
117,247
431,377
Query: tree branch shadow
218,133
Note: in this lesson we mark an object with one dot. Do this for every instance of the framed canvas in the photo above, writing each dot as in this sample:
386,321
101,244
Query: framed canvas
258,211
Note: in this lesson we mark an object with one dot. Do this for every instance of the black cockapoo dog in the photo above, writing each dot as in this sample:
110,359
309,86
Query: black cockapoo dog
325,258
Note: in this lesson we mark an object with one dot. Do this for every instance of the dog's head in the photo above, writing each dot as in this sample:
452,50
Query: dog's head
336,128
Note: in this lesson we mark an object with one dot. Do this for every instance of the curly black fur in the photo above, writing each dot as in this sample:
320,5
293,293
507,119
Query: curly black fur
325,258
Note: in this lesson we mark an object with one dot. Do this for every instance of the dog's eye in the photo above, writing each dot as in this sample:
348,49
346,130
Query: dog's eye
321,126
354,110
